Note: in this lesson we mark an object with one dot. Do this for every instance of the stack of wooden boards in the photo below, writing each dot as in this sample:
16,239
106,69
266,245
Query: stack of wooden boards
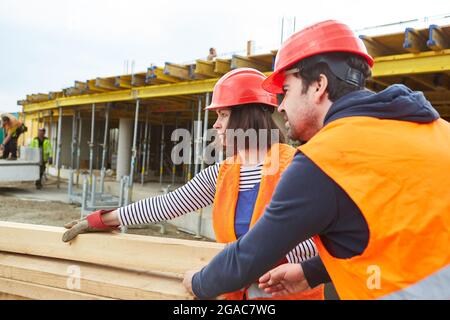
36,264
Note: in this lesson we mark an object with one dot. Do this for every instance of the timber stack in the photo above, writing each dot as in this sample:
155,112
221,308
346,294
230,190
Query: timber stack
36,264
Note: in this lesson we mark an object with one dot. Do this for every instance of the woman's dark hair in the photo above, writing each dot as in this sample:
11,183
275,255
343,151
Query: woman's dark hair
310,71
255,116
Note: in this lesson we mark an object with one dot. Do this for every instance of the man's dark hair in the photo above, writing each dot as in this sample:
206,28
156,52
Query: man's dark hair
255,116
5,118
310,71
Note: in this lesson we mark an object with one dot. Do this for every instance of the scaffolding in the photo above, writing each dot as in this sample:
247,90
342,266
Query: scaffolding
174,96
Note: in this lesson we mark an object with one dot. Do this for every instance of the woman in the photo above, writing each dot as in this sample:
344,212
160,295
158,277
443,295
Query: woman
239,188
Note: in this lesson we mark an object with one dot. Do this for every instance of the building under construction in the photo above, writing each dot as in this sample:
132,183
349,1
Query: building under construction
121,126
124,122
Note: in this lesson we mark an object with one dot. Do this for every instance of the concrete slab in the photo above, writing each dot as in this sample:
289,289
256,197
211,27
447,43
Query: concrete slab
18,170
24,169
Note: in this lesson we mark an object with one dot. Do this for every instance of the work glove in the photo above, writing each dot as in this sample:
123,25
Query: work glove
92,223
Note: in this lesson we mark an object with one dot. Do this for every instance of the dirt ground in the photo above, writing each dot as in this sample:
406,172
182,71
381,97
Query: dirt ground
30,209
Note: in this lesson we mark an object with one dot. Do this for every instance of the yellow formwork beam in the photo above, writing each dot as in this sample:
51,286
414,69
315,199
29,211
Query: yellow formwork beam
412,63
123,82
238,61
91,86
154,91
177,70
222,66
105,83
415,41
157,73
138,80
55,95
438,40
81,85
205,68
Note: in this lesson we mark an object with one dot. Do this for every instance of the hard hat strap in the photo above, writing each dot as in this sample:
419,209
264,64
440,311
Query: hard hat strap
339,68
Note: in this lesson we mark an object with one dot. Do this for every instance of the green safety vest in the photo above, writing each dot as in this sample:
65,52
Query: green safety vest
46,148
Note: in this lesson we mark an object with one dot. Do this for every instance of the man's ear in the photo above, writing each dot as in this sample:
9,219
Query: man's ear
320,87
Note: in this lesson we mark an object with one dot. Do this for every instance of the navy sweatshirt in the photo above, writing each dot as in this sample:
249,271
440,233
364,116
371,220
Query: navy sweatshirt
307,202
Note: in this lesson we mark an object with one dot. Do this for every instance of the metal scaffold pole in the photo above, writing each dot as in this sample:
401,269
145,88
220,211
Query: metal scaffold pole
161,160
58,150
198,158
80,126
105,149
144,154
91,144
205,131
74,142
149,142
191,148
198,137
174,167
133,150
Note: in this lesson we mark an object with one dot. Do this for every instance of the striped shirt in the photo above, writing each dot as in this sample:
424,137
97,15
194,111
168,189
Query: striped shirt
196,194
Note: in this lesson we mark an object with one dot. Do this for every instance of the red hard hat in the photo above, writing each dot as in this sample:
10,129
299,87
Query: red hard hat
241,86
322,37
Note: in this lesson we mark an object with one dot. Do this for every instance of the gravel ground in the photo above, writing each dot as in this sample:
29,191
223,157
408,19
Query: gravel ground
21,202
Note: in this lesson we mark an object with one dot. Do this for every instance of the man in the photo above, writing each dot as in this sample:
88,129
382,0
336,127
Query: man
371,184
43,143
212,54
13,129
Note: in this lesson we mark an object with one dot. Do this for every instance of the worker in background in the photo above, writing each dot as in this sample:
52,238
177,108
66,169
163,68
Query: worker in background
371,183
13,129
212,54
238,188
43,143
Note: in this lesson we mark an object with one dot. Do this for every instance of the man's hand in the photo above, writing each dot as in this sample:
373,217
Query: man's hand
187,280
285,279
92,223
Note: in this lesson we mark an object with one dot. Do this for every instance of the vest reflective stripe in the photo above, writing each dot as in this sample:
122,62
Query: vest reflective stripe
227,190
435,287
254,292
397,173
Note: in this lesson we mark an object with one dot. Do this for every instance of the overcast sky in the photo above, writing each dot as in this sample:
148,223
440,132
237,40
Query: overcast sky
48,44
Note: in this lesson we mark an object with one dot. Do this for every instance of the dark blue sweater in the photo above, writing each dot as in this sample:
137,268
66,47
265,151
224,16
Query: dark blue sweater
307,202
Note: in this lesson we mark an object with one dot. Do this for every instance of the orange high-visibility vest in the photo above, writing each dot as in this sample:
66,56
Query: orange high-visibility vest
397,173
225,200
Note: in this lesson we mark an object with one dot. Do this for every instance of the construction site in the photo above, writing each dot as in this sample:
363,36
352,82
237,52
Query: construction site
112,143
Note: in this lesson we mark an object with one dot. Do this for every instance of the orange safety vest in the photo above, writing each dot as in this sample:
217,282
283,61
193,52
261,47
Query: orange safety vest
225,200
397,173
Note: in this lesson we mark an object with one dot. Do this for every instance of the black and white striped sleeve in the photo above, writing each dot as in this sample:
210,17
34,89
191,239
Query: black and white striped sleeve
196,194
303,251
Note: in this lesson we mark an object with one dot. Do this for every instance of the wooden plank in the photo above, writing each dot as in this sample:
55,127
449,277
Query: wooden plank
92,279
127,251
39,292
6,296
